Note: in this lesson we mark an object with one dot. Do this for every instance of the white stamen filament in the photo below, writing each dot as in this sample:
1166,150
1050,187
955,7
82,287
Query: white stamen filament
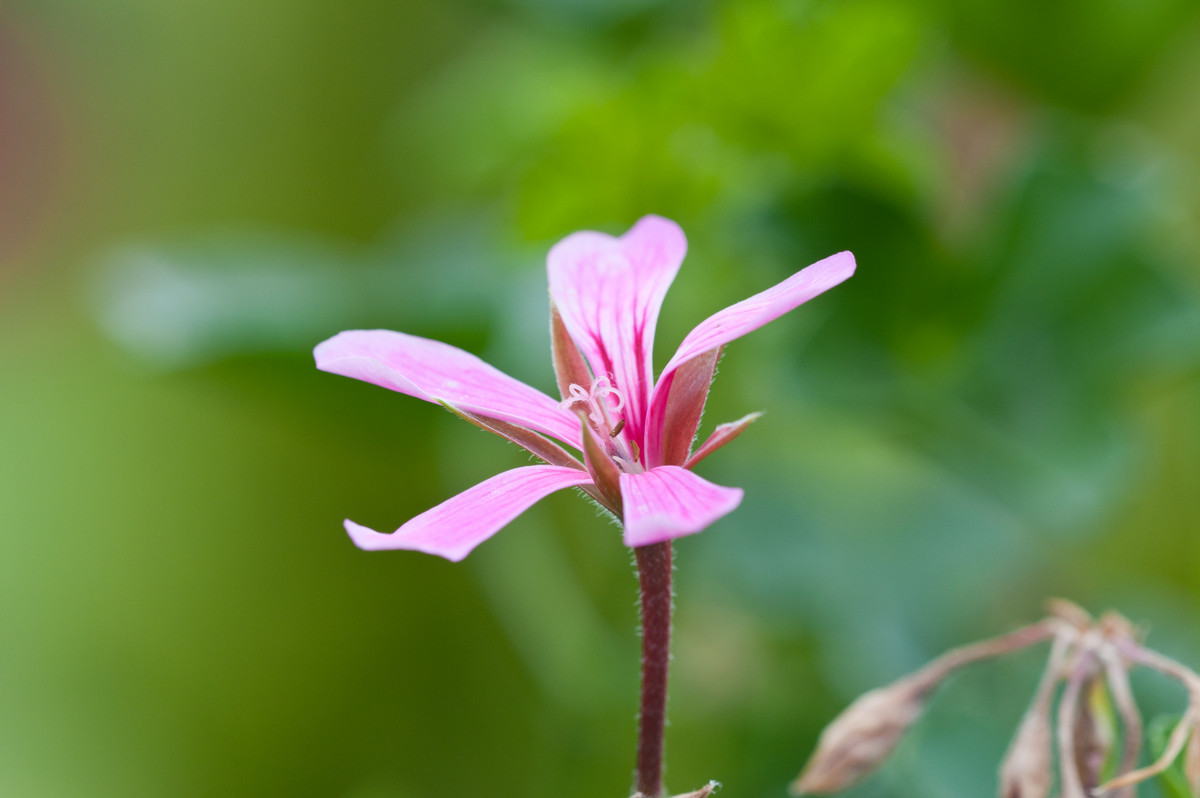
596,402
602,399
601,388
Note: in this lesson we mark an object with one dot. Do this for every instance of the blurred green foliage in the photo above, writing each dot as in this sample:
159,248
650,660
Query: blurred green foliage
1173,779
1001,405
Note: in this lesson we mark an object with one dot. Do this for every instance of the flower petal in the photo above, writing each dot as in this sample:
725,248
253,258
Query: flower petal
609,291
438,372
670,502
459,524
734,322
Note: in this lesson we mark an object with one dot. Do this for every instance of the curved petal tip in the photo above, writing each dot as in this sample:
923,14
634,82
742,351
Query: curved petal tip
363,537
658,231
455,527
368,539
841,264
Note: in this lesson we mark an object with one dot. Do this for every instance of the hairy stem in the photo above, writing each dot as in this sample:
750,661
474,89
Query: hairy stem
654,578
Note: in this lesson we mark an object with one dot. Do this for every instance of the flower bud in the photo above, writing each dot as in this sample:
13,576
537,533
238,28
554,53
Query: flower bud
863,736
1027,770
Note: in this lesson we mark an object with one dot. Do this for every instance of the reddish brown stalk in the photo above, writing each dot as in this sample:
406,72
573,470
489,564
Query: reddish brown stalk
1068,706
654,577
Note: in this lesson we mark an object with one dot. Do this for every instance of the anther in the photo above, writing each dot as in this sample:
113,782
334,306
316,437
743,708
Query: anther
617,429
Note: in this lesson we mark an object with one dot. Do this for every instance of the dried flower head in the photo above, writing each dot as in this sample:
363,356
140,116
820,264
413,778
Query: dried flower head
1090,661
863,736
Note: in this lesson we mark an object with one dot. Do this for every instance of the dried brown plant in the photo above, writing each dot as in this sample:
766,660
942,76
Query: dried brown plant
1090,660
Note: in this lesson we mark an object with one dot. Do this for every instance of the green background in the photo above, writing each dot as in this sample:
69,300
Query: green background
1002,405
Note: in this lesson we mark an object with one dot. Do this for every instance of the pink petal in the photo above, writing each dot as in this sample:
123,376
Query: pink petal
737,320
670,502
438,372
609,291
459,524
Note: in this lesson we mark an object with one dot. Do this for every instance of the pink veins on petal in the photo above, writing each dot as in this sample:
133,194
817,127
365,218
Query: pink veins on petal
459,524
606,292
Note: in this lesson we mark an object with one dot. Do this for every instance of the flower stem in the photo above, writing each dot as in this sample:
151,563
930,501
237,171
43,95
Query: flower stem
654,578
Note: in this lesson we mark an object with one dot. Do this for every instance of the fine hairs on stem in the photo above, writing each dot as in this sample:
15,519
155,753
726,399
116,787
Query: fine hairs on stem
654,564
654,579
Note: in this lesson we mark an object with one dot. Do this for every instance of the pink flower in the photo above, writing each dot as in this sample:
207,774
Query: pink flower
634,434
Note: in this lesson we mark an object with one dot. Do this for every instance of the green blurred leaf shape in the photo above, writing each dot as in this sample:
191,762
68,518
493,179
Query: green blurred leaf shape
1173,782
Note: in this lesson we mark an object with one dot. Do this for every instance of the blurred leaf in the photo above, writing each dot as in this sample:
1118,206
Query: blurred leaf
186,303
1110,45
1157,733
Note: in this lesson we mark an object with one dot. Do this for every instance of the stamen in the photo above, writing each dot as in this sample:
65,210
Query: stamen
578,394
595,400
602,388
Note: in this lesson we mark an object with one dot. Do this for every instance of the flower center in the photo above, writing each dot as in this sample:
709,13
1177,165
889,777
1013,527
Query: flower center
603,401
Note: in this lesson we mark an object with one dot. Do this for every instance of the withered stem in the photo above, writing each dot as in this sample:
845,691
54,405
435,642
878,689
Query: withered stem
1068,706
654,578
1169,667
956,658
1163,664
1131,718
1174,746
1044,697
1072,784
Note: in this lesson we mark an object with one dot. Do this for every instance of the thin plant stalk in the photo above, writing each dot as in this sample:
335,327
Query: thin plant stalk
654,578
1175,743
1072,783
1131,718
